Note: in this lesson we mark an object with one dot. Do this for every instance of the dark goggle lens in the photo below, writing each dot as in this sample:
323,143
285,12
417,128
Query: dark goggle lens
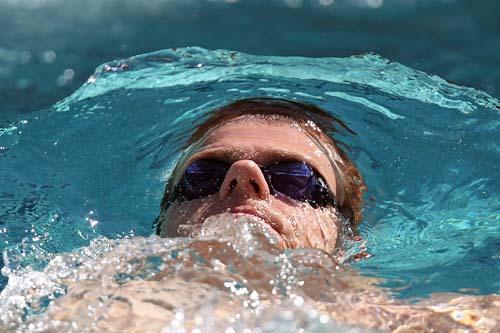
298,181
201,178
290,178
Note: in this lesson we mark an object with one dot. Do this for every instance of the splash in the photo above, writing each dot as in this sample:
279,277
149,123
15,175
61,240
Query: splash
230,278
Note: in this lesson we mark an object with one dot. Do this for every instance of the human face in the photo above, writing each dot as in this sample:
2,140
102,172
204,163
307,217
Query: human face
245,144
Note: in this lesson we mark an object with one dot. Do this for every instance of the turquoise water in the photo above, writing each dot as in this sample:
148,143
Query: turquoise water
95,163
49,48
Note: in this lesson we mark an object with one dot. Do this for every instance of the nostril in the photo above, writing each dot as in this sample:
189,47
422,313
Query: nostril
232,185
255,186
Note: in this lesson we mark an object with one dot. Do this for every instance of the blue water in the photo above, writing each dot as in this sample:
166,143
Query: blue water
458,40
96,162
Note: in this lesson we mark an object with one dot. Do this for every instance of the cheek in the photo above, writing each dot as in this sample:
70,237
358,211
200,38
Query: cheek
330,226
315,228
181,213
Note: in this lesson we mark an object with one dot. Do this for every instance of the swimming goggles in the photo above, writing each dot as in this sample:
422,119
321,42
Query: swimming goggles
296,180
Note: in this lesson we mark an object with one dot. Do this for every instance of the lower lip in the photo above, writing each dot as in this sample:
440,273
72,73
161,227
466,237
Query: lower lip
247,214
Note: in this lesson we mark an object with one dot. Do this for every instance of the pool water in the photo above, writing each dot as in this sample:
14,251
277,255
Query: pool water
91,170
49,48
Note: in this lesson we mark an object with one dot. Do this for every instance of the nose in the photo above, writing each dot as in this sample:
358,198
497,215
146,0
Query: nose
244,179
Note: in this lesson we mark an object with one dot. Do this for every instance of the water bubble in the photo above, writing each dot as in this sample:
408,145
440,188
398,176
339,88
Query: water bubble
69,74
298,301
25,57
48,56
324,318
326,2
375,3
61,81
294,3
66,77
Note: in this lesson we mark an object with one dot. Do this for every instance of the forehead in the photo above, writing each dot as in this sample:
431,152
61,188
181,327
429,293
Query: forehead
264,142
259,140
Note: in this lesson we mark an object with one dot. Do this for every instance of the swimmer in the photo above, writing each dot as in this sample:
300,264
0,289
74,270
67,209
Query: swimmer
272,159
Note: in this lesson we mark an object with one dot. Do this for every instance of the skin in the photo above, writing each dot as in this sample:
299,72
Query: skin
246,143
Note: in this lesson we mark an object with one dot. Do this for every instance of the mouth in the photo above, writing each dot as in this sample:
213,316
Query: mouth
273,226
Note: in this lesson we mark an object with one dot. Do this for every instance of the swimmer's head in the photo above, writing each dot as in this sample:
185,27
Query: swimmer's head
270,158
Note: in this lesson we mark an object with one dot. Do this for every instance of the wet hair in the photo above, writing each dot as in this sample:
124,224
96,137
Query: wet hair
317,123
